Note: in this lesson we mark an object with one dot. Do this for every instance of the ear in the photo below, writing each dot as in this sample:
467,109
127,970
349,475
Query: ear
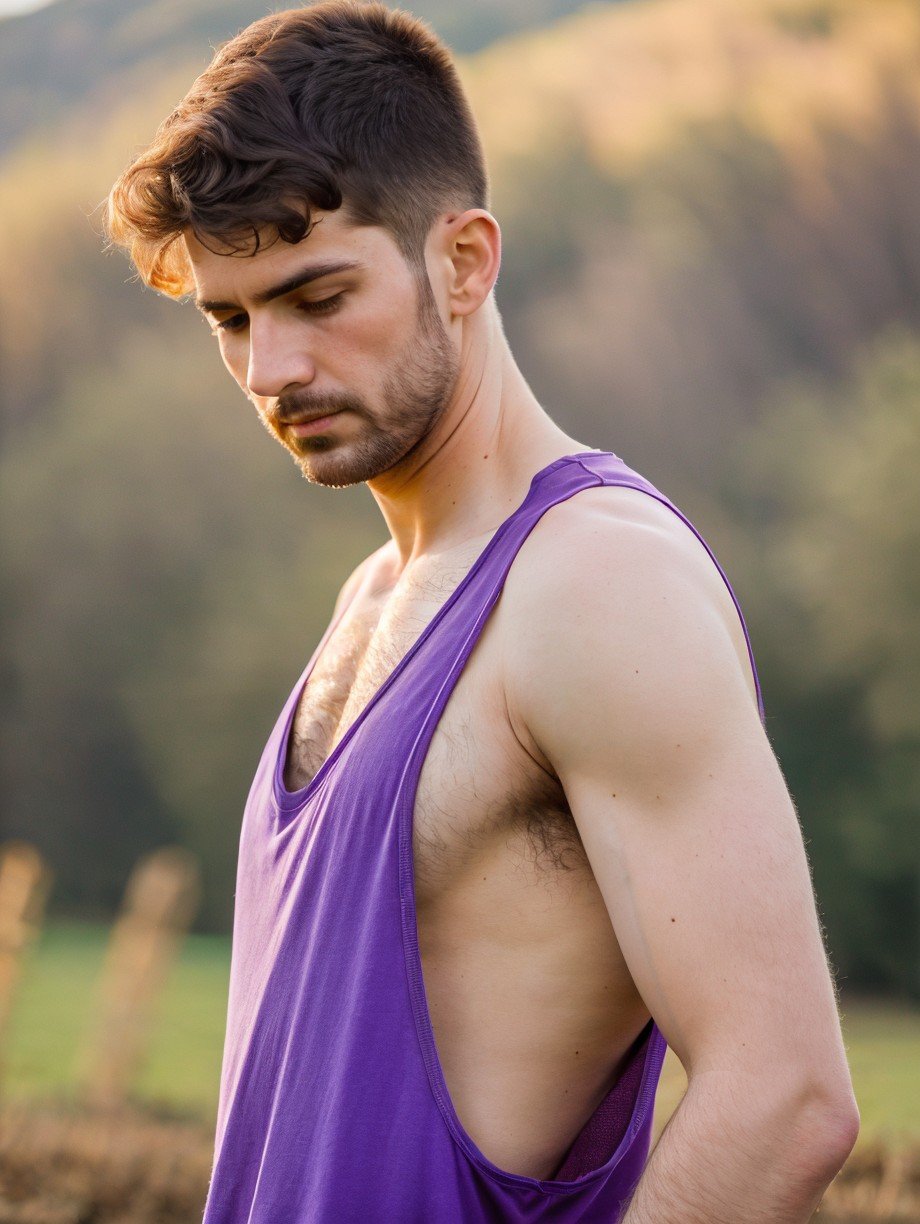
470,252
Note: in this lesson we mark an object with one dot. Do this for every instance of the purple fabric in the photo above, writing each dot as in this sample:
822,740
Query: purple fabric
605,1129
333,1107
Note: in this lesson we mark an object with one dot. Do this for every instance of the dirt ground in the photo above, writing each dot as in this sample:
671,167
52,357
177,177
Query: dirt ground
61,1164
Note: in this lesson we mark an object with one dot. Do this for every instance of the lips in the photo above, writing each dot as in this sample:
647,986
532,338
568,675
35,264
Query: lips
303,426
306,419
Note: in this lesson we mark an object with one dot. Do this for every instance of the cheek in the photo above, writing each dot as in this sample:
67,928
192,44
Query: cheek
235,356
366,343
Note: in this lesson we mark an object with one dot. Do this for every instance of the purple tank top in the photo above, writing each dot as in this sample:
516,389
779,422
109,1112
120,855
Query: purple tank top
333,1107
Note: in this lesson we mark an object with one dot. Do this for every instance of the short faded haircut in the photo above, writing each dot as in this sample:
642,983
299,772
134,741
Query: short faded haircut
340,104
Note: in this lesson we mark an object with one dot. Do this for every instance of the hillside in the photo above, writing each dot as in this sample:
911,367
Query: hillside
76,52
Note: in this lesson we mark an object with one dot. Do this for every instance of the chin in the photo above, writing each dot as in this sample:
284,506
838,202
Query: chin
337,465
332,465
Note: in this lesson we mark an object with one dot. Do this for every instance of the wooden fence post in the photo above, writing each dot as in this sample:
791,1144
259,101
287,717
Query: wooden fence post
25,882
160,902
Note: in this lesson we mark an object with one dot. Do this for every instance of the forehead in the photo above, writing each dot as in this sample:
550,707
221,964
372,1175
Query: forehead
333,239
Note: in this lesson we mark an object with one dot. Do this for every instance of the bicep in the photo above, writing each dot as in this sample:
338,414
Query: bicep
641,704
703,871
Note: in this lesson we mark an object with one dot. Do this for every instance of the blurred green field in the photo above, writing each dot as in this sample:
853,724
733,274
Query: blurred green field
54,1008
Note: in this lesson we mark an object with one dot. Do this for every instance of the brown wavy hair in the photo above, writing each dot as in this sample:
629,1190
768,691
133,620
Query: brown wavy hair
337,104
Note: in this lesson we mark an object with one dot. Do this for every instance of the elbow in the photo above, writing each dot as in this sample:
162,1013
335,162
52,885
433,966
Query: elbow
843,1128
827,1128
804,1121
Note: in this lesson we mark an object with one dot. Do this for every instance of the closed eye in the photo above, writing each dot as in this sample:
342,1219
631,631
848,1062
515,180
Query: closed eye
321,307
324,305
228,324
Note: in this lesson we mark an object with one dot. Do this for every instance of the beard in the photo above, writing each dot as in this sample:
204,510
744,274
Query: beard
415,395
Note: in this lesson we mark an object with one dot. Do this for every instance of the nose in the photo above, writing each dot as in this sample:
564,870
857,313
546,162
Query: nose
277,359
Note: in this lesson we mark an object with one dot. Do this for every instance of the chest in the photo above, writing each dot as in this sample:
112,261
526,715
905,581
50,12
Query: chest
479,793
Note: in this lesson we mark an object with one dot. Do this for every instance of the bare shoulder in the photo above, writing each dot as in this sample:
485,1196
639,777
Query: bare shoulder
614,603
600,528
373,571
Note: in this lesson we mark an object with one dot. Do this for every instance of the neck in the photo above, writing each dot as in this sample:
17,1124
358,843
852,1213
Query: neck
475,467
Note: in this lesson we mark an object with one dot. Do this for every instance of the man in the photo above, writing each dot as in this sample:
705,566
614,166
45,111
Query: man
519,821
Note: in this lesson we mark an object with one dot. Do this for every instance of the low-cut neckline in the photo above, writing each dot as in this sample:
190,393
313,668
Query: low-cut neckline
289,801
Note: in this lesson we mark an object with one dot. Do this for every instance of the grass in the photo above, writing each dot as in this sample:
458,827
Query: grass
883,1048
54,1007
54,1012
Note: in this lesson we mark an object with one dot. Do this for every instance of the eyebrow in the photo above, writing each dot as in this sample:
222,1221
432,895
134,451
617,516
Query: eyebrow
310,273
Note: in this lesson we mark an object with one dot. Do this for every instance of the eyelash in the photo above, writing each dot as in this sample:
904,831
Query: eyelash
322,307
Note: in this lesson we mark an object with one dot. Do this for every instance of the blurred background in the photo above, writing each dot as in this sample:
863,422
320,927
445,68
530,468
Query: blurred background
711,267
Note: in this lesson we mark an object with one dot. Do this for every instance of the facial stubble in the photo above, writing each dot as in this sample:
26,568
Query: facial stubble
415,395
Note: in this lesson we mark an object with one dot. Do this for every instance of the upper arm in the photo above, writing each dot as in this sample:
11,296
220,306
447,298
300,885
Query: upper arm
625,669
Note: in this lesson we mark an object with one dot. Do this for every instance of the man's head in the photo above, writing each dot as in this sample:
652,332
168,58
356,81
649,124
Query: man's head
337,133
